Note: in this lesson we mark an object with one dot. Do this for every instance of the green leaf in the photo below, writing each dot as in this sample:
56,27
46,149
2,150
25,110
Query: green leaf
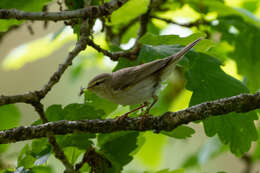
123,63
73,111
40,147
25,159
132,8
117,147
26,5
250,5
73,154
9,118
154,40
208,82
81,140
181,132
54,113
245,37
154,143
93,100
81,111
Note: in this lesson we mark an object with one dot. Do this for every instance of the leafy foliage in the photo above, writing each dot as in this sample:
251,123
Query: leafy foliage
117,147
213,84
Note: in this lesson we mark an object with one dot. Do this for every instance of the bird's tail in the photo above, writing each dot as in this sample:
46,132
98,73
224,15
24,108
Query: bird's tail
176,57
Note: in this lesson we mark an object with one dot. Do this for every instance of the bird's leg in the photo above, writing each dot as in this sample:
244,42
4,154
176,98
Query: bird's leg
146,113
126,114
155,99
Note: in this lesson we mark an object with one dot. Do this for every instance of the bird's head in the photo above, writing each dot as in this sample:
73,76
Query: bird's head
99,83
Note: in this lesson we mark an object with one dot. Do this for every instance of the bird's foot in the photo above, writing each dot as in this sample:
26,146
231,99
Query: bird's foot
142,119
122,117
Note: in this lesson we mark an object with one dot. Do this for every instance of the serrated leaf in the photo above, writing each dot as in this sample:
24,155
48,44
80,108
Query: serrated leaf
208,82
117,147
181,132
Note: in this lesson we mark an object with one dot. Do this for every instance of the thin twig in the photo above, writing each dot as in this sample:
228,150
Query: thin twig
248,163
167,121
191,24
90,11
129,54
58,152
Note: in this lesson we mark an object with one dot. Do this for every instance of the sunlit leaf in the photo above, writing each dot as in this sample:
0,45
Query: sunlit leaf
153,146
34,50
132,8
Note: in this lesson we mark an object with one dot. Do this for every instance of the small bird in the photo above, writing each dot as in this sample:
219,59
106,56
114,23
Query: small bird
137,84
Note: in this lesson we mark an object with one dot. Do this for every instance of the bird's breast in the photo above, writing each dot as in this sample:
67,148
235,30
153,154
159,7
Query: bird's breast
138,93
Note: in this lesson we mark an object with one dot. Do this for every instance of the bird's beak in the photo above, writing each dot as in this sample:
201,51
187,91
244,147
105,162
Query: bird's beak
82,90
90,87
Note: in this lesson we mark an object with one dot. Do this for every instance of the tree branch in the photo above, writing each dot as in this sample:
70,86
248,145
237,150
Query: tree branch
91,11
167,121
196,23
130,54
58,152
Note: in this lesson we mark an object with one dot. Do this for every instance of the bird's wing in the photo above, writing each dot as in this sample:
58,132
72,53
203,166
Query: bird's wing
129,76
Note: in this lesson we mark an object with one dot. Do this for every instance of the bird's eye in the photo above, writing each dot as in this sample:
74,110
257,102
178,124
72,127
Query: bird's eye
98,83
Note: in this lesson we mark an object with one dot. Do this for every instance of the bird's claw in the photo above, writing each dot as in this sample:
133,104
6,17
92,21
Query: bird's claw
122,117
